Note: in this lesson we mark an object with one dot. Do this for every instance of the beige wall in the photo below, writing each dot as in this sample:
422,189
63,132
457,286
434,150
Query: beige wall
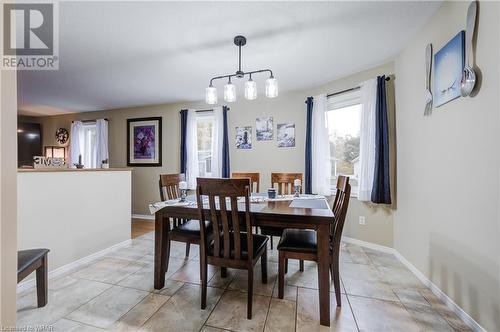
264,157
73,226
447,220
8,165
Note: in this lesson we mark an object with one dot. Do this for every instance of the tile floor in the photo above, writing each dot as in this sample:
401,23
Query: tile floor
115,293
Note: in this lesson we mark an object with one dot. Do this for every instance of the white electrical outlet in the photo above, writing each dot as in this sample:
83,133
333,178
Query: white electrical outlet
362,220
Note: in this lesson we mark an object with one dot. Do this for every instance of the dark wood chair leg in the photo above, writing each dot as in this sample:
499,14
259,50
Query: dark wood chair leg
281,274
286,265
336,280
301,265
263,263
203,272
41,283
167,255
223,272
271,242
250,292
188,246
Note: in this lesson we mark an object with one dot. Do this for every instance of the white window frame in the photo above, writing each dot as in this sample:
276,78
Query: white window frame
89,145
199,118
343,100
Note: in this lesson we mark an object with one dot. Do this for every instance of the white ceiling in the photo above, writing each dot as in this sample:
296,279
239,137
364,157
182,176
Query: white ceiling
122,54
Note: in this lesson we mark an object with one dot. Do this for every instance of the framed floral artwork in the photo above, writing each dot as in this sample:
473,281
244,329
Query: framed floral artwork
144,141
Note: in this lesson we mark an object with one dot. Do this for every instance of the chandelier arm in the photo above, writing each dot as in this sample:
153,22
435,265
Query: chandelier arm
247,73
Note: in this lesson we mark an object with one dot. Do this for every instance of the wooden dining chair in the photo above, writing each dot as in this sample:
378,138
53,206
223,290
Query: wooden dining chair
232,246
284,182
254,180
302,244
187,231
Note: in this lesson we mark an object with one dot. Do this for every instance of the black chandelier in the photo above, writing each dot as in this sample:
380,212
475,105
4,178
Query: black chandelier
250,85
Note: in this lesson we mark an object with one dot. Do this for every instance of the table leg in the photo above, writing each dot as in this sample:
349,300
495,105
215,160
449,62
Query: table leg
324,274
161,238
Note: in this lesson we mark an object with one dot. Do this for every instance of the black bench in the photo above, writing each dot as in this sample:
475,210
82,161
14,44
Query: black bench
29,261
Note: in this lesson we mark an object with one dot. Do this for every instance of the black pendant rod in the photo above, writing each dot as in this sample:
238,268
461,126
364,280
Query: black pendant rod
240,41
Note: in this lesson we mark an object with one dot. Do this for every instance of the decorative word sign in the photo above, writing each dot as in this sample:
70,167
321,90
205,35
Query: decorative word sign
49,162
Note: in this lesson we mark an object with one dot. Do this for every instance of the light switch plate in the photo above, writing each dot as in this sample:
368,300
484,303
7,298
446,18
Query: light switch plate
362,220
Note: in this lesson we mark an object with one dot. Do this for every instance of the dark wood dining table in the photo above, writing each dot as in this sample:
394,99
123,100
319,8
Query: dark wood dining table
277,213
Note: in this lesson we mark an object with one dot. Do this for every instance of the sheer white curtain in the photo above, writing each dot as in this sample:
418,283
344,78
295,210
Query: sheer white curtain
217,141
76,142
192,167
321,164
101,140
367,139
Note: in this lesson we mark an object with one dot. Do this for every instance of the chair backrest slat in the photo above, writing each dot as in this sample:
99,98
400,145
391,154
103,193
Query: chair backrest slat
169,186
339,210
215,224
285,182
225,223
254,180
236,227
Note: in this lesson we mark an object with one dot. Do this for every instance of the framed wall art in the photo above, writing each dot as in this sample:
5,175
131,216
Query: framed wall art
448,65
144,141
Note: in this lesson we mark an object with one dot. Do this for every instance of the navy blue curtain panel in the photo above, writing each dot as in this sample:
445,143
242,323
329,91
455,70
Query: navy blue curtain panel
225,145
308,157
381,192
184,116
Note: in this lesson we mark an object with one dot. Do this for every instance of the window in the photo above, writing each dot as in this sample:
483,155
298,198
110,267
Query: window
89,145
344,124
204,129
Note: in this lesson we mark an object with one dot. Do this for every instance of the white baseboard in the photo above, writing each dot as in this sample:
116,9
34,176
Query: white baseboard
433,287
369,245
143,216
73,265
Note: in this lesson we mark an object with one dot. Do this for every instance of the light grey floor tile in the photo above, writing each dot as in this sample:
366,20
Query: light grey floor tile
240,281
190,272
68,294
444,311
143,279
231,312
308,278
182,312
383,259
399,277
365,280
109,270
290,292
129,253
66,325
356,254
281,317
108,307
136,317
427,318
341,319
207,328
411,296
219,282
378,315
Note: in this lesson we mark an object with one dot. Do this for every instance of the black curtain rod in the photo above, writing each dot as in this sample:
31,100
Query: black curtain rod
349,90
209,110
84,121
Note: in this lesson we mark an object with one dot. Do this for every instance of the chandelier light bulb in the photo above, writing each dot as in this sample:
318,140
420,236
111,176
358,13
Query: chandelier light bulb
211,95
271,87
250,89
230,92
